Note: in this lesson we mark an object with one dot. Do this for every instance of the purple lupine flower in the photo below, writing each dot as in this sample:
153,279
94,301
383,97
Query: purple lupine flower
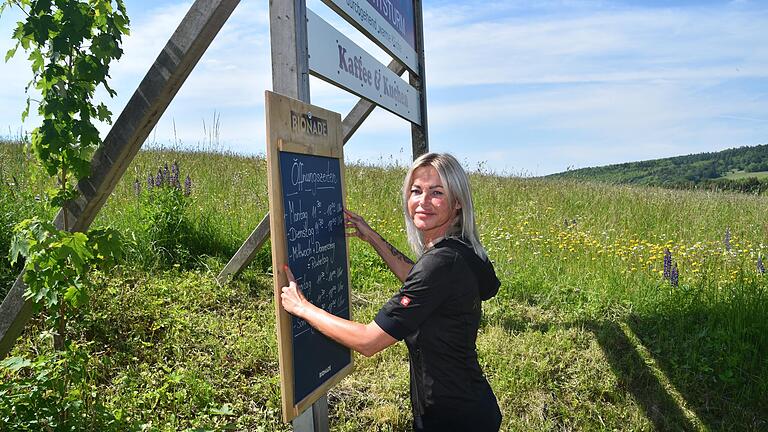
760,266
159,178
137,187
565,222
187,186
727,239
175,175
673,276
166,173
150,182
667,263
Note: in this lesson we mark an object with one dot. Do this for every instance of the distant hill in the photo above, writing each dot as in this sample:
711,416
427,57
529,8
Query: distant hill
744,169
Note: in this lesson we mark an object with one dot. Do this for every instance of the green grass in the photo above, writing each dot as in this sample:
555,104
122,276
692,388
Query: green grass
736,175
585,333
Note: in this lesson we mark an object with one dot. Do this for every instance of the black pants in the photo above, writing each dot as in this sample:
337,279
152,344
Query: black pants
482,416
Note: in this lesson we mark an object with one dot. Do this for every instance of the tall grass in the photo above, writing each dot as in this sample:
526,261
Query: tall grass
585,334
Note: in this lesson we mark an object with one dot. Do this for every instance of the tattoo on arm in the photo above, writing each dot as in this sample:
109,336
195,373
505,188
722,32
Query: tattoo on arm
396,253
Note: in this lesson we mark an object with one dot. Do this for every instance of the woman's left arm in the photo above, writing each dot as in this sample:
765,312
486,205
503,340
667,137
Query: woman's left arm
365,339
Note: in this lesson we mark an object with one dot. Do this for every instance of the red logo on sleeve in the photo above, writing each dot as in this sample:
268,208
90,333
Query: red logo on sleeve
405,301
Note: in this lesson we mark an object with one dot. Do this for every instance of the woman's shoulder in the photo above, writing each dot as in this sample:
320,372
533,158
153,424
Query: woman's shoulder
444,255
451,246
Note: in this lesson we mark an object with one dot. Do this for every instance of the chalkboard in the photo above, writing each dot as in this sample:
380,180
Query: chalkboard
317,256
306,201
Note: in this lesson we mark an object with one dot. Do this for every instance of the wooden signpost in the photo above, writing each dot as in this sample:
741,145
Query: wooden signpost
336,59
296,55
305,166
393,29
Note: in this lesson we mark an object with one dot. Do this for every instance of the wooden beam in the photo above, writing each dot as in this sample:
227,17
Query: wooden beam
246,253
419,134
250,248
290,62
148,103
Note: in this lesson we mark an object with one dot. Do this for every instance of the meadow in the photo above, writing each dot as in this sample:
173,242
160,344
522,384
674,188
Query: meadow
591,330
742,174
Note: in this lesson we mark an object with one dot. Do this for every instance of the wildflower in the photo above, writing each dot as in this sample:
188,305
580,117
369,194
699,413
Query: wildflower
760,266
166,173
137,187
673,276
187,186
150,182
175,175
667,263
727,239
159,178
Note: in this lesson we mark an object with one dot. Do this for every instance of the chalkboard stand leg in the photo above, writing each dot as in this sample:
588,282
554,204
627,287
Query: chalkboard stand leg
314,418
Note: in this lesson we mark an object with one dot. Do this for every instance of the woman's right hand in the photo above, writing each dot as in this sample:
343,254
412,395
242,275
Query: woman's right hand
292,299
358,227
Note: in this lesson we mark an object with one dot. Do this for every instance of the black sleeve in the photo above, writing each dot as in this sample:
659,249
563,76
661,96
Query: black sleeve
426,287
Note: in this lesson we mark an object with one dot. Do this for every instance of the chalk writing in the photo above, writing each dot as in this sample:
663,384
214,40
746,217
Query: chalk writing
314,229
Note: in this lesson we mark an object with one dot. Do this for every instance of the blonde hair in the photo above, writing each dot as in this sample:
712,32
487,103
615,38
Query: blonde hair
456,184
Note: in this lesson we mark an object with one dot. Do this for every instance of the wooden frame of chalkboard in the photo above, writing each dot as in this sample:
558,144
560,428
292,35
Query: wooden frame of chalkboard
305,164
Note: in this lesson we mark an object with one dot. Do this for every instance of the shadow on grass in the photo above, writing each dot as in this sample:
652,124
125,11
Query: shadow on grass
717,364
637,378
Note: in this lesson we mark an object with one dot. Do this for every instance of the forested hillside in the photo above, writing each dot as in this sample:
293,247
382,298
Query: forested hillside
743,169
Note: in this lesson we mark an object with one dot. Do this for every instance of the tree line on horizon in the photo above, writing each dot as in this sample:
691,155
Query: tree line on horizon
694,171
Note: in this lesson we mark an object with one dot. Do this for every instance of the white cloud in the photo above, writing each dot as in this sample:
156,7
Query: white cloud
615,45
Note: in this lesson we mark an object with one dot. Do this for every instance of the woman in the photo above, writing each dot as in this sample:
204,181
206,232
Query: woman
437,311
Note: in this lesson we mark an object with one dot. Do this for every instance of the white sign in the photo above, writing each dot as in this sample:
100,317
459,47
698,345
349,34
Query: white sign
389,24
335,58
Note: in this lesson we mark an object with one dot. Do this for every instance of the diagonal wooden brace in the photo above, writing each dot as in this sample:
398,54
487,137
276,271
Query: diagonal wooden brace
161,83
251,246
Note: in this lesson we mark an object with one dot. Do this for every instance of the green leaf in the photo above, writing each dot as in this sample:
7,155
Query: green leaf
25,42
37,60
60,196
41,6
14,364
73,246
19,247
80,167
225,410
75,294
107,246
25,113
41,26
103,113
11,52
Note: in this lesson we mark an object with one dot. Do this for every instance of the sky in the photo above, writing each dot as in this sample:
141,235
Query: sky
513,87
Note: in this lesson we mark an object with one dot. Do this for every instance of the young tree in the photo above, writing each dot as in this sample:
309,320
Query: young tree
70,44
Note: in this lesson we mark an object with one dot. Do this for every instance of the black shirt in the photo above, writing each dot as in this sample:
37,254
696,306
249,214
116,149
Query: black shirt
437,312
